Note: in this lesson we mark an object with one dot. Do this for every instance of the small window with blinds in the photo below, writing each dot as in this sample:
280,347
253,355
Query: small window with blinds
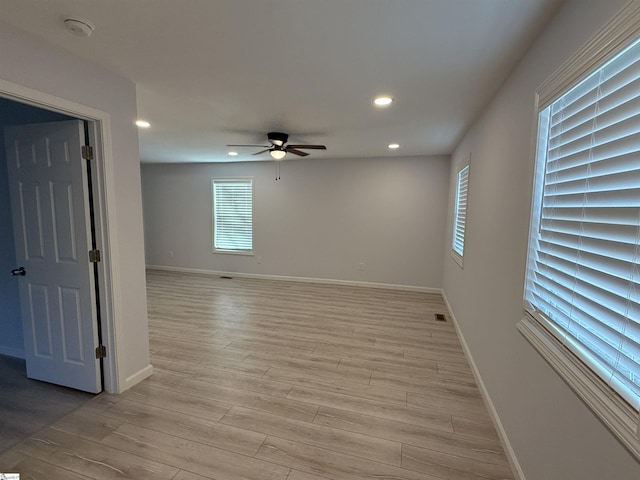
583,271
460,214
233,215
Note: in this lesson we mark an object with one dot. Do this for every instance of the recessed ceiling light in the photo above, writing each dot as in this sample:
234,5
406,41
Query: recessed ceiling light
233,154
393,146
143,124
382,101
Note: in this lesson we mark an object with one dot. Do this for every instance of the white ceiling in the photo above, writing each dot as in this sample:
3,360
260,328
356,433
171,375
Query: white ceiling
214,72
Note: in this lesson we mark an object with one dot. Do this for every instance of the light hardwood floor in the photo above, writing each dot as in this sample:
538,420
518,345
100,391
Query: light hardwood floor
266,380
26,406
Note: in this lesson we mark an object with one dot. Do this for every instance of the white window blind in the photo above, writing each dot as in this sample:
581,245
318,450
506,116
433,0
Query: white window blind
460,215
583,274
233,214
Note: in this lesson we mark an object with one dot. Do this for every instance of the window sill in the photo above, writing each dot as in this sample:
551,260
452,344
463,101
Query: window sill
244,253
617,415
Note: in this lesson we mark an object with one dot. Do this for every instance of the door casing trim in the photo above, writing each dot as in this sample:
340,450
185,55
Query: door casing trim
105,211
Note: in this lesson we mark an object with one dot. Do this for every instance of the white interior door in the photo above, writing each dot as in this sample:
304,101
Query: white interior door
49,203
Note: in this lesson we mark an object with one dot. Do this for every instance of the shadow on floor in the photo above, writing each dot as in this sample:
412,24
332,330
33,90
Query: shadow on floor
26,406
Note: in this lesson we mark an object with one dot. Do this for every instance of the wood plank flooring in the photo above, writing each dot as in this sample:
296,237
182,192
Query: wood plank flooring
267,380
26,406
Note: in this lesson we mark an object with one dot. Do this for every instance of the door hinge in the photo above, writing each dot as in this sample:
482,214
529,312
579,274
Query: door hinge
94,256
101,351
87,152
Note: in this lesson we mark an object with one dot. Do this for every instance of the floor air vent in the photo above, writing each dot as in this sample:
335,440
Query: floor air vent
440,317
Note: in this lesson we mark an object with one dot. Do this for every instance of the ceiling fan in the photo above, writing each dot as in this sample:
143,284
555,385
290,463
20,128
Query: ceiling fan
279,148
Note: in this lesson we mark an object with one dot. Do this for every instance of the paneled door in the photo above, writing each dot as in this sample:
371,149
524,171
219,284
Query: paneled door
51,224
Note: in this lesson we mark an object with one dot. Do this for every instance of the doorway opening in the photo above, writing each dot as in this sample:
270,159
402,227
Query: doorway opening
32,108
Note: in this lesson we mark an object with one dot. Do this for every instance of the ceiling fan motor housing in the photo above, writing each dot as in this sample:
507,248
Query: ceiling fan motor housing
278,138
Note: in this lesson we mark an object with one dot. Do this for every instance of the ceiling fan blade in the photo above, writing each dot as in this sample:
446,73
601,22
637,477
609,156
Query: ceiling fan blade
309,147
265,146
262,151
296,152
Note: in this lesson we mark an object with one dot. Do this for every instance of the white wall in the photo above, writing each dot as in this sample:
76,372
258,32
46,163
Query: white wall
29,62
555,437
321,220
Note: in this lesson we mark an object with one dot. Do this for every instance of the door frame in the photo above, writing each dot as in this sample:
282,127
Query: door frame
105,217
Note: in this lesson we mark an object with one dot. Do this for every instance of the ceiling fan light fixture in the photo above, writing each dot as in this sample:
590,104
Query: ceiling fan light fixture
277,154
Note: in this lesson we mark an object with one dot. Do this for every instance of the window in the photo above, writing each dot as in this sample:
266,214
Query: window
460,214
233,215
582,291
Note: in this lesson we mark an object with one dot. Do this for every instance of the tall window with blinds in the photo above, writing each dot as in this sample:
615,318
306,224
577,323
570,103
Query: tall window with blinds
233,215
460,213
583,272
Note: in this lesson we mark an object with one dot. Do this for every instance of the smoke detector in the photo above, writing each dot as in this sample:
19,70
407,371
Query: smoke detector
79,26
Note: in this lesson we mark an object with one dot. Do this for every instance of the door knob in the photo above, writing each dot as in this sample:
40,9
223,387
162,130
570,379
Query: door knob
19,271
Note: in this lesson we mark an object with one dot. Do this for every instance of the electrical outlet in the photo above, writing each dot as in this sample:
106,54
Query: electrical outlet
170,253
259,259
361,267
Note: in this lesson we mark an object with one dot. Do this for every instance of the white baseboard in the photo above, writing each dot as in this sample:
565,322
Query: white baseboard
282,278
504,439
12,352
137,377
